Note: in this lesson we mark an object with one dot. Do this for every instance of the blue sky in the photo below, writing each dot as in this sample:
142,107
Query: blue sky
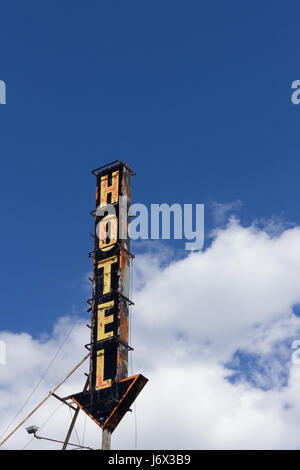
194,96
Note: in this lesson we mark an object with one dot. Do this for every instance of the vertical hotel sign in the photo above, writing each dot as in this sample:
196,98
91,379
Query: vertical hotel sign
111,392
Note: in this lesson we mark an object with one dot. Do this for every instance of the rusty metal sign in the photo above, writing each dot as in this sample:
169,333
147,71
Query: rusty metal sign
111,392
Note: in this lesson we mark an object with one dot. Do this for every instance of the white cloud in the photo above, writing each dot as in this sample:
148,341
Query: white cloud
190,318
222,210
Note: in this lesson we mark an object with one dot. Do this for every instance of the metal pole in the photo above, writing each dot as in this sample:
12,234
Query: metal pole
61,442
106,439
74,420
43,401
71,429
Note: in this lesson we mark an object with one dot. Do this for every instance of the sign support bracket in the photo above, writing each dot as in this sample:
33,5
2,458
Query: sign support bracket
74,419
